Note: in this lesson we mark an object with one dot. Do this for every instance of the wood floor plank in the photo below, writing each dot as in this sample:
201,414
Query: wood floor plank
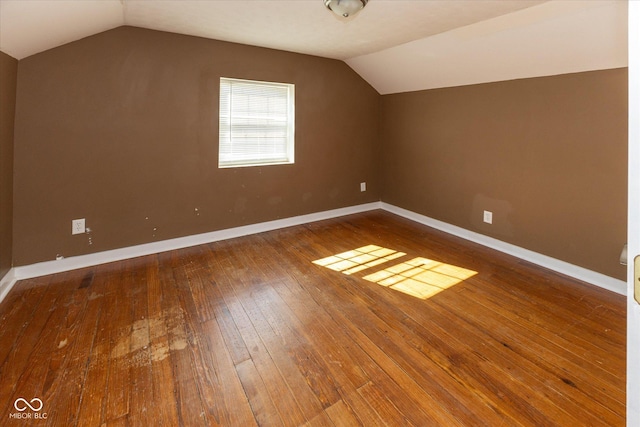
202,365
222,342
342,415
292,327
365,329
320,420
163,402
118,362
18,309
94,388
564,366
189,403
340,370
65,378
264,408
287,354
383,406
590,343
33,351
252,325
562,391
305,372
237,408
311,322
456,361
141,409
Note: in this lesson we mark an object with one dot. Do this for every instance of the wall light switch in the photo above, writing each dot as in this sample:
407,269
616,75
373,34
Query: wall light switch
488,217
363,186
77,226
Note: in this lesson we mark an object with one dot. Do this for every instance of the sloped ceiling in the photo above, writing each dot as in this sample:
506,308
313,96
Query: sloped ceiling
396,45
557,37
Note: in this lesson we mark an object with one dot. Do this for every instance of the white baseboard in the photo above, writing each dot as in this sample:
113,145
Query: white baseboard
82,261
580,273
7,282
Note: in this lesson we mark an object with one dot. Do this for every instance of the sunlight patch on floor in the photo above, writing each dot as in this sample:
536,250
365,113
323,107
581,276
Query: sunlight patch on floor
359,259
419,277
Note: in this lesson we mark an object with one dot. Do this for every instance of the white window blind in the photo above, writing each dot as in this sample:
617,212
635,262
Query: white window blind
256,123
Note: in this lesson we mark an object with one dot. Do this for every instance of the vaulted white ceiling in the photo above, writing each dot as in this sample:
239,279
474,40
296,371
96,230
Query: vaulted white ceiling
396,45
556,37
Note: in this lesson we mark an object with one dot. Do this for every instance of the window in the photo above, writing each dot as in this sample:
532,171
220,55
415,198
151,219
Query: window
256,123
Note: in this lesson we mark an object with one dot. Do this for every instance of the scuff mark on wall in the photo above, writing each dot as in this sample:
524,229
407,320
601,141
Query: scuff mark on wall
240,205
275,200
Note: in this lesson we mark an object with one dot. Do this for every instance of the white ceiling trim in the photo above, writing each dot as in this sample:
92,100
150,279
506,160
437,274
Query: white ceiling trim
553,38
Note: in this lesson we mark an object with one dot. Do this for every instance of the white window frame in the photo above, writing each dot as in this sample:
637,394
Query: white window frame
235,142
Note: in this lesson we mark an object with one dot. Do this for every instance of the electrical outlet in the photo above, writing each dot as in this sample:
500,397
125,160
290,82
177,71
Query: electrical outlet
77,226
363,186
488,217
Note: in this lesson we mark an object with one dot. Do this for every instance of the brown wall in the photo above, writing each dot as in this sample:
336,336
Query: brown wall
8,76
547,155
121,128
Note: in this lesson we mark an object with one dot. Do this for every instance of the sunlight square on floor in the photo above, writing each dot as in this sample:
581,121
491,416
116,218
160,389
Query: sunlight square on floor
419,277
359,259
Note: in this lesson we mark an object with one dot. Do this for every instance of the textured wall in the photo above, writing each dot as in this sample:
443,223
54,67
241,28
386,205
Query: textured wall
121,128
548,156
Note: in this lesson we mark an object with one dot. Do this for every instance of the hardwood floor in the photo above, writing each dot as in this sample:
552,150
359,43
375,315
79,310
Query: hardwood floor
414,328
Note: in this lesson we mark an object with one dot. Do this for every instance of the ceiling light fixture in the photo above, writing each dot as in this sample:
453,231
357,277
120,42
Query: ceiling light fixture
345,8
